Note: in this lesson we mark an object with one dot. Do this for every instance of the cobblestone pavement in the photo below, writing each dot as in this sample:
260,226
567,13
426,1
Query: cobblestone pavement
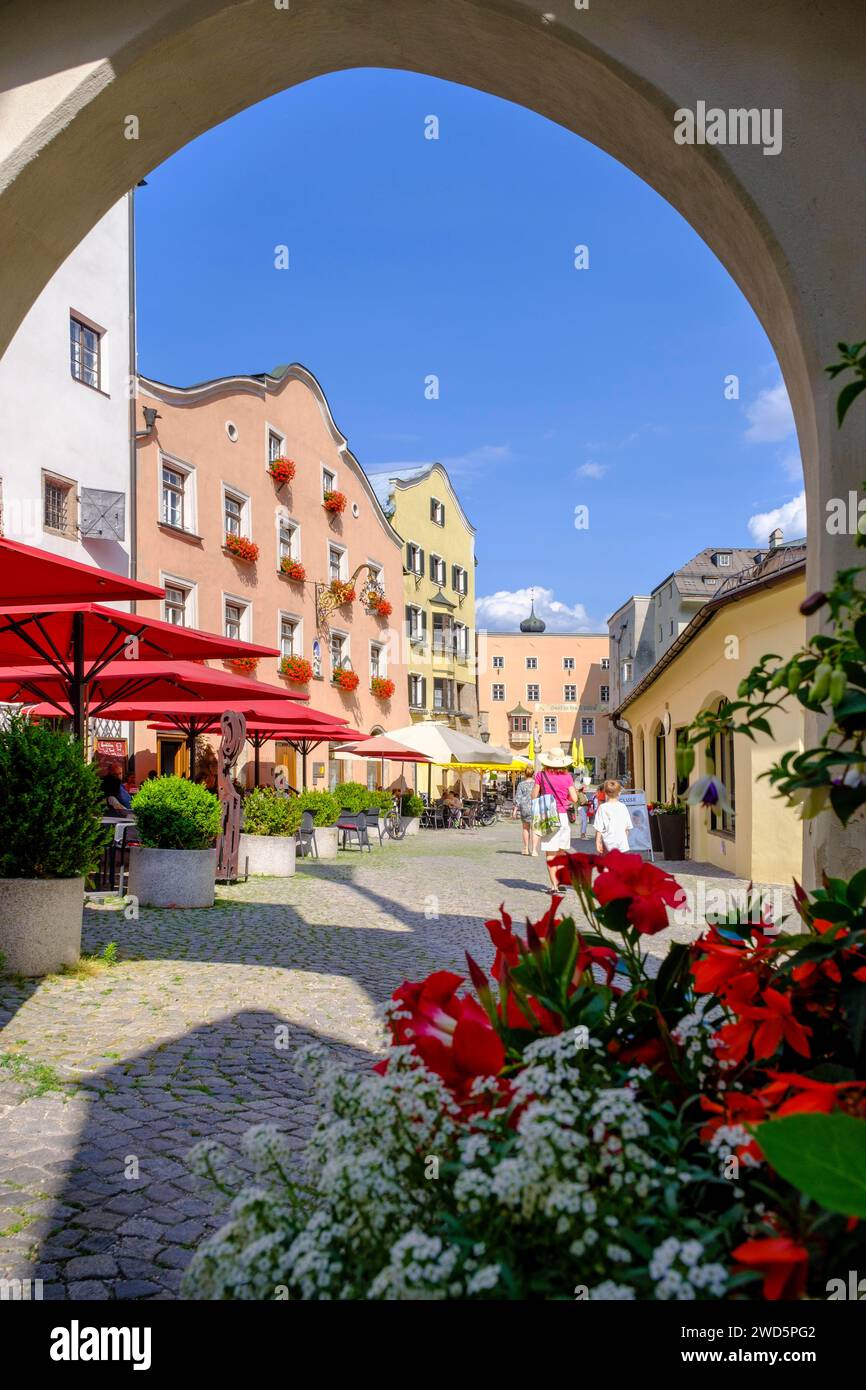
107,1078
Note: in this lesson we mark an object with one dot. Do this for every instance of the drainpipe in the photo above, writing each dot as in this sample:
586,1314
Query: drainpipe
624,729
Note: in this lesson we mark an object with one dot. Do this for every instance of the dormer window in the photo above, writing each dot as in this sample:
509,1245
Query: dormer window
722,558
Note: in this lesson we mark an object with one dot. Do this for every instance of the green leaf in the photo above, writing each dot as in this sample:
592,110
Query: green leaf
857,889
847,397
821,1155
854,1005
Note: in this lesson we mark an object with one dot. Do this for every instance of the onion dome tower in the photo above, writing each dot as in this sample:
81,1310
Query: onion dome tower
532,623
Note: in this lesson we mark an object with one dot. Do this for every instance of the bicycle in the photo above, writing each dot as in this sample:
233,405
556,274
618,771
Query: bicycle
395,826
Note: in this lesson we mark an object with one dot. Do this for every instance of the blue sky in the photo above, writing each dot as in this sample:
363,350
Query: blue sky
411,257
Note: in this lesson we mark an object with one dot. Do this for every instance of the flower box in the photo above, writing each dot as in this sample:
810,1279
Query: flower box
296,669
346,680
243,665
335,502
282,470
382,688
381,607
292,569
241,548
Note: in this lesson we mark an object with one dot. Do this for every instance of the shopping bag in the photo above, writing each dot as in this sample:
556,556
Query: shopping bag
545,814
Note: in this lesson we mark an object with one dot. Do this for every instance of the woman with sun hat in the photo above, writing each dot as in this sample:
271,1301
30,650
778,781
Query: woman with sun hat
555,784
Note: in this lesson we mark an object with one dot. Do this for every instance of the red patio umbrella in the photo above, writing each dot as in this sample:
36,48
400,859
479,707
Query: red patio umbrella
29,575
302,735
81,639
381,746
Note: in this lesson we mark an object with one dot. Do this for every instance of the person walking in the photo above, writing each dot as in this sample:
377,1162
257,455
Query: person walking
554,782
612,821
523,808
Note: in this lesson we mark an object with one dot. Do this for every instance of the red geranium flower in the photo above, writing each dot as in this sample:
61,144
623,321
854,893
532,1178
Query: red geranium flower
782,1261
648,889
763,1025
574,868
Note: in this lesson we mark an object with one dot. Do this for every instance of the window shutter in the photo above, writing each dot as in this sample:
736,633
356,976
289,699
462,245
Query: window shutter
420,560
424,622
424,691
454,582
432,567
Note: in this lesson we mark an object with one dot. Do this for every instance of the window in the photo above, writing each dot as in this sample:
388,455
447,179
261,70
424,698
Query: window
84,345
289,541
236,619
417,691
625,672
290,643
605,663
723,559
532,663
377,660
520,723
568,663
443,693
711,580
416,622
335,562
459,579
414,558
59,509
497,692
339,649
587,725
569,694
532,693
437,511
460,640
329,481
437,569
176,604
499,663
604,694
233,510
661,633
723,759
550,724
275,445
177,508
672,627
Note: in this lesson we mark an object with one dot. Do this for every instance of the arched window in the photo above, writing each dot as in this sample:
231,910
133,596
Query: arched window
661,765
723,763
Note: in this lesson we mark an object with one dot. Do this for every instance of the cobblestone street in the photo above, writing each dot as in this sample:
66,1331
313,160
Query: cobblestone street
118,1071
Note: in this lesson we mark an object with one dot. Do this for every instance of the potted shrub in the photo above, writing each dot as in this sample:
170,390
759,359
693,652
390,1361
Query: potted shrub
178,822
293,569
268,836
241,548
296,669
282,470
668,829
411,810
382,688
335,502
352,796
326,812
50,840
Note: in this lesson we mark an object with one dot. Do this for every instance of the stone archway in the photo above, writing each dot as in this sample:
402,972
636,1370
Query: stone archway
788,226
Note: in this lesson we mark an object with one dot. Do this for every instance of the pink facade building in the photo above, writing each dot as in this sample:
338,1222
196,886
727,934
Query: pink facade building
553,685
243,549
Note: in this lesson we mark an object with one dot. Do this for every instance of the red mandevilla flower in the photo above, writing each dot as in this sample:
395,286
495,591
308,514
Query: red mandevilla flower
781,1260
451,1034
648,890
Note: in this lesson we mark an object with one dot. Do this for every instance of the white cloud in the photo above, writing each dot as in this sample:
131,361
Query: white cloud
792,467
505,610
791,517
592,470
770,416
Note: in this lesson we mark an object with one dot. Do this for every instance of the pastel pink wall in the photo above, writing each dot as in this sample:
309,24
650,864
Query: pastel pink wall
192,431
549,649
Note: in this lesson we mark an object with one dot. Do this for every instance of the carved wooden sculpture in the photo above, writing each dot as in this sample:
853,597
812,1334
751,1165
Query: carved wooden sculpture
234,730
281,780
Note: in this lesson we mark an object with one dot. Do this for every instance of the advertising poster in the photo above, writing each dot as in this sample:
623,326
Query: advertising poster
639,838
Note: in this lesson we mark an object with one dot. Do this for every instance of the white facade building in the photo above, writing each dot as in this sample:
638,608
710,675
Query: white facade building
65,406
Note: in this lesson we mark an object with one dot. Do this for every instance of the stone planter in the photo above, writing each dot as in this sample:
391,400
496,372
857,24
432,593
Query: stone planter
271,855
40,923
411,824
326,842
172,877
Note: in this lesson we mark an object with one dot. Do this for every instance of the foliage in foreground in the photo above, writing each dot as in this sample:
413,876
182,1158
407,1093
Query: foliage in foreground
50,805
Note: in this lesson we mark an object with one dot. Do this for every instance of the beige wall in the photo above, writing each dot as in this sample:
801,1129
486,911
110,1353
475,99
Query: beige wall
191,433
767,841
548,649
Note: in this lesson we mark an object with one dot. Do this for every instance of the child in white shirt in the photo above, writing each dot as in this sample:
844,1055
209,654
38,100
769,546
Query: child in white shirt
612,821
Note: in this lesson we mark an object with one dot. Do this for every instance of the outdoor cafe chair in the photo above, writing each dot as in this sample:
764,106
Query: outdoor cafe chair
353,823
307,836
374,821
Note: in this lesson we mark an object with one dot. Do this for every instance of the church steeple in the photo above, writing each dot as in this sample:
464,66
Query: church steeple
532,623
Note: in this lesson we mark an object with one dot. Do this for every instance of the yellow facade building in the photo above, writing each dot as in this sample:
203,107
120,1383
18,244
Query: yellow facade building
439,592
755,612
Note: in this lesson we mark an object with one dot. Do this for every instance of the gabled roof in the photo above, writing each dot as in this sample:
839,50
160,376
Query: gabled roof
387,481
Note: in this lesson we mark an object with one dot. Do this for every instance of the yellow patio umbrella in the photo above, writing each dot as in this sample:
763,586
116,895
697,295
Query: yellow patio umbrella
530,752
575,760
581,761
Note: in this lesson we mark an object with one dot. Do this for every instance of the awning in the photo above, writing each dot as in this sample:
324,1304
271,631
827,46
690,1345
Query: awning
124,683
32,576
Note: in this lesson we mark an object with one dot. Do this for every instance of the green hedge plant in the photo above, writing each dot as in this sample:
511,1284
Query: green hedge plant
268,813
411,805
324,806
50,804
352,796
380,801
172,813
